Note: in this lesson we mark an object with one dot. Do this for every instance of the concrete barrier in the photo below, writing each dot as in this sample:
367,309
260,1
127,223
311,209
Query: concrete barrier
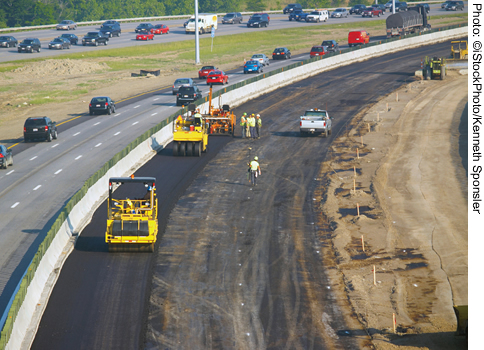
30,313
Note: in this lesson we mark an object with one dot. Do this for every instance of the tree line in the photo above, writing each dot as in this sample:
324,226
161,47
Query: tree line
21,13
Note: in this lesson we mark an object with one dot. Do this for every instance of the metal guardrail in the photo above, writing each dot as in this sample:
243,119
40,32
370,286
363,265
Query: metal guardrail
160,18
62,216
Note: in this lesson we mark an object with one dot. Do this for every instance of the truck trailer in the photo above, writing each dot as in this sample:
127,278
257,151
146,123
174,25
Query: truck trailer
206,21
412,21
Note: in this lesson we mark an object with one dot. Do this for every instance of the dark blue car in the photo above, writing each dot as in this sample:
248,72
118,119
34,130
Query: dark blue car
252,66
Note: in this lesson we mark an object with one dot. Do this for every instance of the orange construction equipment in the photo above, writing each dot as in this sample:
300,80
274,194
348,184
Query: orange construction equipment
221,120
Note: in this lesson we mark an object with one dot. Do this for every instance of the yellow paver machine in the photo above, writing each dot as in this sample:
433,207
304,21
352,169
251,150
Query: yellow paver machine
190,134
132,224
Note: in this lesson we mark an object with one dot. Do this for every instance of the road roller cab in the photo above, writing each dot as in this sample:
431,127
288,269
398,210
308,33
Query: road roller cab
132,223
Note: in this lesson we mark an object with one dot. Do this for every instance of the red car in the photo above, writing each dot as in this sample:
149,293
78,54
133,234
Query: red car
217,76
205,71
371,12
145,35
160,29
318,51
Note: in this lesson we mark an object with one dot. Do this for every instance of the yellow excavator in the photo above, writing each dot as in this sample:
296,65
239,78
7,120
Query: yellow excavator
132,224
458,50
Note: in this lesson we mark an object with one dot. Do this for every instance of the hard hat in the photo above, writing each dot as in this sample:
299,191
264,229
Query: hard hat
245,113
252,113
256,158
258,115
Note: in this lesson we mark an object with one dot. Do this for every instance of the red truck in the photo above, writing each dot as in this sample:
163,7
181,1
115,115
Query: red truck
358,37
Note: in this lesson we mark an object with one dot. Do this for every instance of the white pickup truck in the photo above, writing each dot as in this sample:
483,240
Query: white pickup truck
318,16
315,121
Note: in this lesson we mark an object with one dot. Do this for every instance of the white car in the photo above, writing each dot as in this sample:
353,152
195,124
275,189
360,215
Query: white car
263,59
317,16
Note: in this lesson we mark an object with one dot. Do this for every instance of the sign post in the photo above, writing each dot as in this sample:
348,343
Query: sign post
213,35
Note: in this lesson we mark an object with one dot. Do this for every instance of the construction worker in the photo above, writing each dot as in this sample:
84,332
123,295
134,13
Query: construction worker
258,125
243,124
252,124
247,130
254,169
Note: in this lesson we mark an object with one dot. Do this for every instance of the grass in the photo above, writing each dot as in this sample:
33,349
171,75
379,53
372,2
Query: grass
41,97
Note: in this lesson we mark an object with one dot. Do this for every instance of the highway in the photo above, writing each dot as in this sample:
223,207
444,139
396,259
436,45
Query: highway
177,33
102,300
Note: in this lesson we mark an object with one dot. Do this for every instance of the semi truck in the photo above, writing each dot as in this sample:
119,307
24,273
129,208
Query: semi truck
412,21
206,21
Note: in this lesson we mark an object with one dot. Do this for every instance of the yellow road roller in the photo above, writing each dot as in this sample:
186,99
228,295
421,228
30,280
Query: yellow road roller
132,224
190,136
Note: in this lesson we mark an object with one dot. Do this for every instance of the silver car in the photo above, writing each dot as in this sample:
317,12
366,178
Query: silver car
182,82
263,59
339,13
66,25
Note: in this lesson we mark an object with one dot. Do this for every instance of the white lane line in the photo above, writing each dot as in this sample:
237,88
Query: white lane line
137,106
37,187
11,171
13,206
78,157
58,171
154,113
55,145
33,158
99,144
135,123
119,132
97,123
117,114
77,133
156,99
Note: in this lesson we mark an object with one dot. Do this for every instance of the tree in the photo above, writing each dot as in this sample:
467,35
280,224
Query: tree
255,5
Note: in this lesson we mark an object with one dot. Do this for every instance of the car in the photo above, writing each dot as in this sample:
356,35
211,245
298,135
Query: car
8,41
381,7
317,16
339,13
281,53
182,82
298,15
232,18
263,59
40,128
318,51
145,35
160,29
204,71
454,6
29,45
358,37
71,37
66,25
258,20
399,6
356,10
111,22
291,8
187,94
331,45
94,38
144,26
444,5
111,30
6,157
217,76
371,12
102,104
253,66
60,44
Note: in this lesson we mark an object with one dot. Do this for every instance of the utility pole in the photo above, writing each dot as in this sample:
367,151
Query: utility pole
197,45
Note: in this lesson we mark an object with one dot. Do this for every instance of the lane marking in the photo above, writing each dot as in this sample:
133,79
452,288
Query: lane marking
58,171
37,187
135,123
99,144
77,133
13,206
156,99
11,171
78,157
154,113
117,114
33,158
137,106
119,132
97,123
55,145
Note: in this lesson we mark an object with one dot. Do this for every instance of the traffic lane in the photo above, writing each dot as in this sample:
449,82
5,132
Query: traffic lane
58,330
342,88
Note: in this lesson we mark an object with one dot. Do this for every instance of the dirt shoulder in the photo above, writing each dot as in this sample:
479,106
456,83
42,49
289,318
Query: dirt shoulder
411,188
